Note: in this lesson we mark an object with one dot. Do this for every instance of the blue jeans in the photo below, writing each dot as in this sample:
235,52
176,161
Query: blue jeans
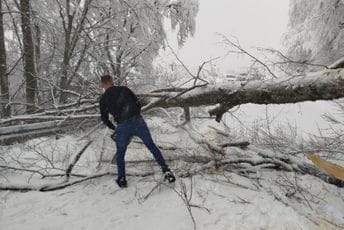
135,126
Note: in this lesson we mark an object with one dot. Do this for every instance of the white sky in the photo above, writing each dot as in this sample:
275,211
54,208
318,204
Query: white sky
256,23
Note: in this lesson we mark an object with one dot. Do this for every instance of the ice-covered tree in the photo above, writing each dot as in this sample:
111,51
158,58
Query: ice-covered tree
74,41
135,32
108,36
316,31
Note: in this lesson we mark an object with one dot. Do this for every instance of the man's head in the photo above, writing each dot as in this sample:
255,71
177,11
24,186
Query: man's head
106,82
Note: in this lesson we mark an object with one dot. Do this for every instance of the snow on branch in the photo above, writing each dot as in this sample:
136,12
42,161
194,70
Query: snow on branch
337,64
324,85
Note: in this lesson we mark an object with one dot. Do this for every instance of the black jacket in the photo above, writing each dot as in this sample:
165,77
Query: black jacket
121,103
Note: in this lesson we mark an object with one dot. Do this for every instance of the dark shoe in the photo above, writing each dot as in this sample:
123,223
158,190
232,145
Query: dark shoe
165,169
169,176
122,182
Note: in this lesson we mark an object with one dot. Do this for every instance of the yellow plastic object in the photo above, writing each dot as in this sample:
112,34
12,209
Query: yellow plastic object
330,168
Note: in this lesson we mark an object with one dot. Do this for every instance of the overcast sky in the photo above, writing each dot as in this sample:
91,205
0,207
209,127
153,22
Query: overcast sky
256,23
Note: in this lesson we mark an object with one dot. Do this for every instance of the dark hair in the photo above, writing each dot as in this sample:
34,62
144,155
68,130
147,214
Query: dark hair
105,79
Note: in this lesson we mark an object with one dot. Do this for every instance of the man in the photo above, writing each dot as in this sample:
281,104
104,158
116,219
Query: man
124,106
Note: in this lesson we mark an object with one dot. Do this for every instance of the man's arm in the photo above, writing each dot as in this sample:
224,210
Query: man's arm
104,114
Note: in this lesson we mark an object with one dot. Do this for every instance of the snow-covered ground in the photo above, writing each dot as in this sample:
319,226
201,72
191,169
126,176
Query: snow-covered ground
219,200
99,204
307,117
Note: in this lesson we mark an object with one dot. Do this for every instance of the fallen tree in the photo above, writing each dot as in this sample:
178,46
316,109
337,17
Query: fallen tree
42,126
324,85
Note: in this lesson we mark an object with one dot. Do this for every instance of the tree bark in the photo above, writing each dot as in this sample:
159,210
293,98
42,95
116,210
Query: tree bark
324,85
76,159
37,46
29,56
4,92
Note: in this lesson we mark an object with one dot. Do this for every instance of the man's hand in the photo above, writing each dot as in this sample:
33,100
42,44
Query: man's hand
113,136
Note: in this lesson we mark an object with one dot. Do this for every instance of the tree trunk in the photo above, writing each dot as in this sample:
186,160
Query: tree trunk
118,74
29,57
66,60
324,85
4,92
37,46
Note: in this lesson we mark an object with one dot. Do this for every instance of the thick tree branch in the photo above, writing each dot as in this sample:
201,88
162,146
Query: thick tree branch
324,85
76,159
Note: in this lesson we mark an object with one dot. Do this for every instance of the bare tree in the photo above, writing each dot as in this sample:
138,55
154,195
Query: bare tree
73,27
29,56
